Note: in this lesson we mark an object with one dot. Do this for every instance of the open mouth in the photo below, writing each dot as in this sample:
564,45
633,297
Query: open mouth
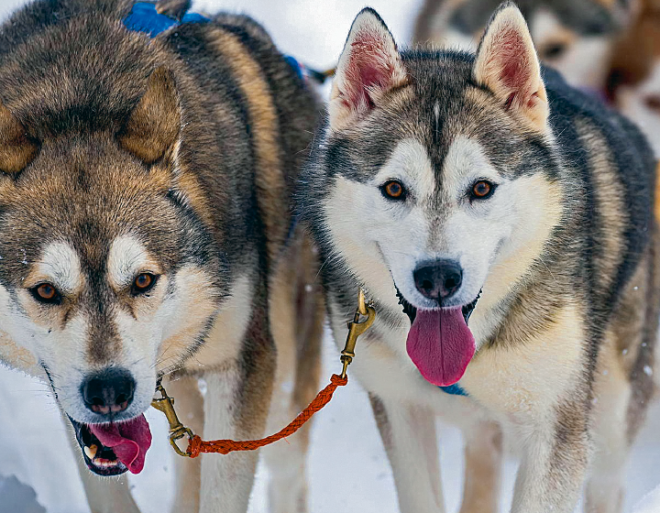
411,311
440,343
111,449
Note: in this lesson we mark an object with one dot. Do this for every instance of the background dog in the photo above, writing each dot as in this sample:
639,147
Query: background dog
146,231
574,36
634,81
502,223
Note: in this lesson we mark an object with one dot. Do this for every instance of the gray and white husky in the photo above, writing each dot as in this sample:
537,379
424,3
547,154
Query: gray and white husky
503,225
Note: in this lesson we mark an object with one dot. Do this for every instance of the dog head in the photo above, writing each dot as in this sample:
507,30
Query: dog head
107,276
573,36
434,177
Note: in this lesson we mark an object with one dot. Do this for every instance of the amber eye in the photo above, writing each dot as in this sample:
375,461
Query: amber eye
46,293
143,283
482,189
394,190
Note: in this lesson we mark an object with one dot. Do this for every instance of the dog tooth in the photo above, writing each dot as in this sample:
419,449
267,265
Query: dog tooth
91,451
105,463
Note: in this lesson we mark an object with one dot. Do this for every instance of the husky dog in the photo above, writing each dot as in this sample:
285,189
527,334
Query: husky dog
634,81
502,224
146,230
574,36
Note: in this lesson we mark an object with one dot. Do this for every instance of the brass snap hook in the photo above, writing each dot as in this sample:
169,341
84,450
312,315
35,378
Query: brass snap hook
356,329
165,404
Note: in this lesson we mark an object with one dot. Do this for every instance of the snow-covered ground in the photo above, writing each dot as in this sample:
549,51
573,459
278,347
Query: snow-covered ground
348,469
347,465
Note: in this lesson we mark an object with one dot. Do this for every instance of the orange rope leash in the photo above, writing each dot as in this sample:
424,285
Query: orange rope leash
364,318
198,446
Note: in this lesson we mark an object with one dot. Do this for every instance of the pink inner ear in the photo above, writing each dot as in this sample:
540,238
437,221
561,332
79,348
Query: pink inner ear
370,66
516,73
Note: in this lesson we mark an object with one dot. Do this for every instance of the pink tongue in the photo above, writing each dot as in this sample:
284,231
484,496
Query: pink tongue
441,345
129,440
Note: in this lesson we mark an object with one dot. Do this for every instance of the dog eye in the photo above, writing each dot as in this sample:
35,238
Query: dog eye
482,189
554,51
394,190
143,283
653,102
46,293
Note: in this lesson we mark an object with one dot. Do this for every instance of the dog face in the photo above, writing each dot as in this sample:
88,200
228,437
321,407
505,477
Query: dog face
106,277
461,215
575,37
436,166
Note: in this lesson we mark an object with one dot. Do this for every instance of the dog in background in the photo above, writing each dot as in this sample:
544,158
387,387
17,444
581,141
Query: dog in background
146,232
634,81
573,36
502,223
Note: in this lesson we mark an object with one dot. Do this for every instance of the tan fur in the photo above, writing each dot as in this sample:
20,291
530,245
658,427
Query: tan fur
483,469
637,49
16,149
18,357
173,8
154,125
269,179
296,314
608,202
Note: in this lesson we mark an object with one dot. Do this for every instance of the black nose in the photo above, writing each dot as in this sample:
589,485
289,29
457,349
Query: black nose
439,280
109,391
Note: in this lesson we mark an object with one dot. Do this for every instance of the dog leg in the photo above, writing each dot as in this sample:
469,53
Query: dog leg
104,495
409,436
554,464
297,313
286,461
483,468
236,407
190,407
605,488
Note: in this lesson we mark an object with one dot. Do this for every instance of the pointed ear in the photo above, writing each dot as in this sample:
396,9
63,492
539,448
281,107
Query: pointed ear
17,150
369,67
153,127
173,8
507,64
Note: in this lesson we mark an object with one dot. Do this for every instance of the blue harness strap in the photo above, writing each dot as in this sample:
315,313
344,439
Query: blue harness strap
454,389
296,65
145,18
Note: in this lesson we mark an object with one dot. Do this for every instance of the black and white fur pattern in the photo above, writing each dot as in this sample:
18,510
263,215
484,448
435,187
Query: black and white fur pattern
564,252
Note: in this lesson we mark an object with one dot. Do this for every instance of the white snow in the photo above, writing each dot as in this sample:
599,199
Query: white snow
348,469
347,464
650,503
